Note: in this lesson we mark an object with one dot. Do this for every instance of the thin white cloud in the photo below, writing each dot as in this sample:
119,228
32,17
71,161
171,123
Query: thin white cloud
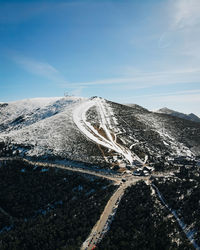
34,66
45,70
180,37
163,95
186,13
165,41
146,80
183,98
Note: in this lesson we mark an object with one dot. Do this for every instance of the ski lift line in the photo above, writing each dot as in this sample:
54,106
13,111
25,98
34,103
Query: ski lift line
127,154
181,224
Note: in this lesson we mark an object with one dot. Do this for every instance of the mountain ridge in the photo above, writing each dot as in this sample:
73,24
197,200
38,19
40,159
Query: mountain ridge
101,132
191,116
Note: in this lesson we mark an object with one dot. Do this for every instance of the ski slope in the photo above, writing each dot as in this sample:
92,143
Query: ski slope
105,115
80,129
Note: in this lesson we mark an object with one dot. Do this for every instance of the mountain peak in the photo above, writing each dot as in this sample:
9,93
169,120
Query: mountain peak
191,116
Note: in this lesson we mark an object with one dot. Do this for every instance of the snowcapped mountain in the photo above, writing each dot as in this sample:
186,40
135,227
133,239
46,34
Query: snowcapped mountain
191,117
44,127
15,115
94,130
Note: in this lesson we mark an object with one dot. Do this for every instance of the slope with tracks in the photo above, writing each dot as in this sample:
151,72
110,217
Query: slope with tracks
107,140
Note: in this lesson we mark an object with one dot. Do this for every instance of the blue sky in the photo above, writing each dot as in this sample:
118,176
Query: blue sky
145,52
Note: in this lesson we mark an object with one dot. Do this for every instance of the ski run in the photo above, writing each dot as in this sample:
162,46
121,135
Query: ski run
105,116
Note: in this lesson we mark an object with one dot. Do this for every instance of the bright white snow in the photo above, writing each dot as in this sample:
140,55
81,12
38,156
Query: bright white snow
105,116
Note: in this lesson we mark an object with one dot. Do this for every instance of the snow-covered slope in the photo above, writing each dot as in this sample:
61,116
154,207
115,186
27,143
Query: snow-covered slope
45,127
16,115
104,134
156,134
95,131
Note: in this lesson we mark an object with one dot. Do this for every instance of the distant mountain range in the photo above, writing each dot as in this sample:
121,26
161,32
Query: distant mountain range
191,117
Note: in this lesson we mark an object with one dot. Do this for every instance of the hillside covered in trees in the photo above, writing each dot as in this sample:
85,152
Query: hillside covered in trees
142,223
48,208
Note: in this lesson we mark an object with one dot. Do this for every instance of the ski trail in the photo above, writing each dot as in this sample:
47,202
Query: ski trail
107,112
106,123
80,119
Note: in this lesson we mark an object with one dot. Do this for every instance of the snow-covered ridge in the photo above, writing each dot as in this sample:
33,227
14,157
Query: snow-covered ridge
22,113
93,130
27,105
46,129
